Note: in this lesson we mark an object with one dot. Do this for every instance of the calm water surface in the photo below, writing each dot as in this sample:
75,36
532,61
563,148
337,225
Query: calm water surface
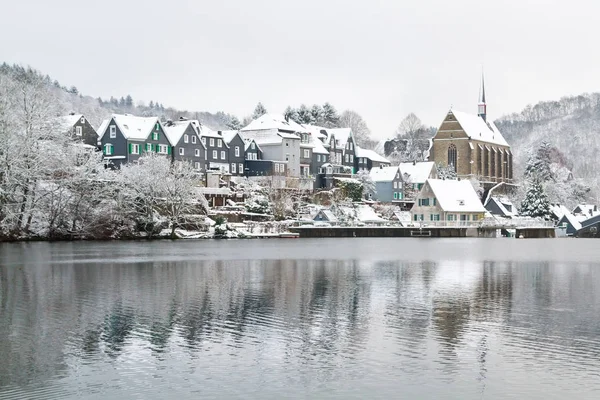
337,318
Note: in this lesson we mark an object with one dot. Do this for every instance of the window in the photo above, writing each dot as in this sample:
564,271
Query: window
157,126
215,156
154,135
318,158
351,146
148,147
222,155
233,168
181,151
197,152
113,131
346,158
475,217
197,164
324,158
276,167
351,158
186,139
287,157
78,130
255,156
306,153
425,202
241,168
282,168
395,195
203,140
452,157
237,151
212,142
134,148
451,217
252,145
415,217
287,144
434,201
108,149
464,217
194,139
219,143
163,149
434,217
82,120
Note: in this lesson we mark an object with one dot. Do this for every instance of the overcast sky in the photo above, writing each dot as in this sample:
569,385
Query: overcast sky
383,59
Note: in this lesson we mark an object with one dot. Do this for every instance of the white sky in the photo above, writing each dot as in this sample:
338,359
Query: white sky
383,59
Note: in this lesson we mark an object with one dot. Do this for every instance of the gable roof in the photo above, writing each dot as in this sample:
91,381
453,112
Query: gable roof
371,155
274,121
229,135
478,129
132,127
248,142
559,210
572,219
175,130
328,214
318,147
500,203
102,128
455,196
588,210
342,135
266,137
383,174
67,122
417,172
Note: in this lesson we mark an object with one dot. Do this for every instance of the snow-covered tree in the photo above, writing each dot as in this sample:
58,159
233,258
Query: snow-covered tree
360,130
316,113
330,116
535,203
368,186
259,111
291,113
234,123
446,172
304,115
539,164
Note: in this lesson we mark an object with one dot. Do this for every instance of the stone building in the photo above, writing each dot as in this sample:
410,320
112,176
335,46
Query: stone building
473,146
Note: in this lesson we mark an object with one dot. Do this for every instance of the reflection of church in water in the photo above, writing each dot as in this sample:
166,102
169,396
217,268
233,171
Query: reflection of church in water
473,146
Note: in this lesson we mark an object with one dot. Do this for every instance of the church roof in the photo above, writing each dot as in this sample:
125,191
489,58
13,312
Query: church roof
478,129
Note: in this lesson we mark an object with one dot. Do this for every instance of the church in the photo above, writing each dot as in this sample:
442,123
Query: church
473,146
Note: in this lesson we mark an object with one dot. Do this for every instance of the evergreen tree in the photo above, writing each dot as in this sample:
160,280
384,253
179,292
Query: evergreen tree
129,101
538,165
290,114
114,101
304,115
151,104
122,102
317,114
234,123
330,116
259,111
535,203
448,172
73,90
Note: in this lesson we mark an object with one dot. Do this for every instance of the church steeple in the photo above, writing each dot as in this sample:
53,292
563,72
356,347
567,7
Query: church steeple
482,106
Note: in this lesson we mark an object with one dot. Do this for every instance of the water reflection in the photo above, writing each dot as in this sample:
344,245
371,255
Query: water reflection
308,327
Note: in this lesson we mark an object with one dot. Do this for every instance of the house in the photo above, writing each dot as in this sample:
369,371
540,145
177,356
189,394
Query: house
500,206
217,151
590,228
79,128
473,146
278,139
366,160
325,215
187,146
124,138
327,174
252,150
236,145
320,153
449,202
388,184
265,168
414,175
571,222
586,210
344,146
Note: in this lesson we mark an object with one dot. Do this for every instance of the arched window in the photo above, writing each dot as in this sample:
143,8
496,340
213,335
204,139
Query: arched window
452,156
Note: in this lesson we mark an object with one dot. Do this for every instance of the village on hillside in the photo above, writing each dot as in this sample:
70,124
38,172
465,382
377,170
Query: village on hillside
275,173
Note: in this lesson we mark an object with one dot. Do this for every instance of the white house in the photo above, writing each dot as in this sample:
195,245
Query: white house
447,202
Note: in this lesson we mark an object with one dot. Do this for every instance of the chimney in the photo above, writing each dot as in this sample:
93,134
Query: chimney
380,166
414,162
71,113
220,133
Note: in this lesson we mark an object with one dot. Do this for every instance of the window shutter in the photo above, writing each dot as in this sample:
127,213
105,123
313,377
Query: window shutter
168,149
130,147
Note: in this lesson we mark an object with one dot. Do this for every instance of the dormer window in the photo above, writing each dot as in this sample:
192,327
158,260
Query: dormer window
461,202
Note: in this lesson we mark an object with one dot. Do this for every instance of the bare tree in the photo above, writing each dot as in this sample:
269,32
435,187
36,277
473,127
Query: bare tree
360,130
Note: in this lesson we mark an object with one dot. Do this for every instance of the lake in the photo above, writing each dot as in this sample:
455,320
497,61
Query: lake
302,318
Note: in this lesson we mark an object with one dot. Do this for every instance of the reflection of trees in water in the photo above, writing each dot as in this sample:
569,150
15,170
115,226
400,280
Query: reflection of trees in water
117,327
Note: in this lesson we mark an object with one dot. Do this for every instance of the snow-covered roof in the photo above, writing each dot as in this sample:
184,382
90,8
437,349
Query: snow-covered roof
478,129
67,122
588,210
500,203
573,220
228,135
456,196
249,142
102,128
364,213
318,147
341,135
205,131
328,214
175,130
371,155
559,210
402,216
317,131
274,121
417,172
383,174
132,127
267,136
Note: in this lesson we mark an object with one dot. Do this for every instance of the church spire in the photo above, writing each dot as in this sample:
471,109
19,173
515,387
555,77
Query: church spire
482,106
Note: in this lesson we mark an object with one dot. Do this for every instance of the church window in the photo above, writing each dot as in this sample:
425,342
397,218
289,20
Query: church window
452,156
